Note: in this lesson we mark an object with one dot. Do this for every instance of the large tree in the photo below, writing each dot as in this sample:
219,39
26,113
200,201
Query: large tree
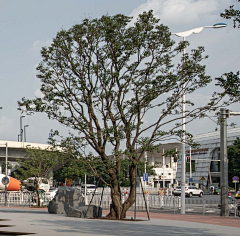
115,83
230,82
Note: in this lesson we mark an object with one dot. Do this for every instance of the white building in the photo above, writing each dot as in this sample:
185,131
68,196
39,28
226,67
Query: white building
166,166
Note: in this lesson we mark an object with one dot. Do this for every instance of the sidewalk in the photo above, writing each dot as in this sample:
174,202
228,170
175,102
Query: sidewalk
40,222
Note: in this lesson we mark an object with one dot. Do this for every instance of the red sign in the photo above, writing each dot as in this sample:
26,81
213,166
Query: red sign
235,178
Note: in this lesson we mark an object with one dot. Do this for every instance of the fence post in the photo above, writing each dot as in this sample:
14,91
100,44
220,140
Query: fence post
174,204
204,207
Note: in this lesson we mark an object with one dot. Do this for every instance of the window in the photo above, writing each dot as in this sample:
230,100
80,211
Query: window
188,166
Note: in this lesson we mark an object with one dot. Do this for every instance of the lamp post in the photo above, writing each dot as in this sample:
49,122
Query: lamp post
145,168
183,177
25,135
21,130
6,173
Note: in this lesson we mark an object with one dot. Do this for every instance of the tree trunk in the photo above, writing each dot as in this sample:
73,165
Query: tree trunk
117,208
38,198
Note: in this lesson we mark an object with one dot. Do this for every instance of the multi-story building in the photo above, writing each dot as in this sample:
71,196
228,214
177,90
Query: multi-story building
165,165
205,159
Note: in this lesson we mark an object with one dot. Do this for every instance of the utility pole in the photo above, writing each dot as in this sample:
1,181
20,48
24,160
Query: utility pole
224,114
6,182
145,168
163,168
224,161
190,155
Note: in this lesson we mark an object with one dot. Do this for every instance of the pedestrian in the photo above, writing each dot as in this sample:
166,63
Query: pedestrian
212,190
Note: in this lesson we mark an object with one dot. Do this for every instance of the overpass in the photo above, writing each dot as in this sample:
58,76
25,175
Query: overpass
13,150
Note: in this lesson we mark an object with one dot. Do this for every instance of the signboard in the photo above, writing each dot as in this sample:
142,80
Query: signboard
198,151
190,180
235,178
145,176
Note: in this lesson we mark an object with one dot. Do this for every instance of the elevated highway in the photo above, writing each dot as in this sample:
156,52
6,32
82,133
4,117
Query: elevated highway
16,150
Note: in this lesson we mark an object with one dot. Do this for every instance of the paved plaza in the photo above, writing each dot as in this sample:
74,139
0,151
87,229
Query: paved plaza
40,222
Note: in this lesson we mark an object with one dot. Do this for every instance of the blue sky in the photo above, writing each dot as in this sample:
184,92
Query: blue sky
28,25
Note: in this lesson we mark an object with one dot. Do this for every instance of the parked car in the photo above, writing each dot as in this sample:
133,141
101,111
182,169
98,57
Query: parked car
51,193
189,191
91,188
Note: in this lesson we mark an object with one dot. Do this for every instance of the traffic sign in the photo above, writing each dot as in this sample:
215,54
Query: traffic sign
235,178
145,176
190,180
5,180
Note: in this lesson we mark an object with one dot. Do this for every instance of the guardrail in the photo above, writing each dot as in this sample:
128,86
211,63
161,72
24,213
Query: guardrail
157,202
15,198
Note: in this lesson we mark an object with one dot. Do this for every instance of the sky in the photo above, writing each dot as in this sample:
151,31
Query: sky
28,25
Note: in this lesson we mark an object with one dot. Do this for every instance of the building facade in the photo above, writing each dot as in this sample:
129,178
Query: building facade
205,159
165,165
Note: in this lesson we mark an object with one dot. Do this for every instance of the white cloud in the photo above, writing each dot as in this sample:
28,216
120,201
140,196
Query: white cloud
178,12
38,44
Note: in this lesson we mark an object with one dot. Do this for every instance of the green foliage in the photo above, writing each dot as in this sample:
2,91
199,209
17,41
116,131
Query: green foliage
39,163
103,77
230,82
233,14
3,164
76,169
72,170
234,160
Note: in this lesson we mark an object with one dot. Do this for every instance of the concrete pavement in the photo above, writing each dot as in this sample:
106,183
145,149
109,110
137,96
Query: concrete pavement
40,222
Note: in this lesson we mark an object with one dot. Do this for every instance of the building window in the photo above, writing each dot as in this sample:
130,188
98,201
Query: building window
188,166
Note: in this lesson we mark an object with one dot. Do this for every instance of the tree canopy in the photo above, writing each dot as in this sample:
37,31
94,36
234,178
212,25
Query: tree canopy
39,163
230,82
233,14
115,83
234,160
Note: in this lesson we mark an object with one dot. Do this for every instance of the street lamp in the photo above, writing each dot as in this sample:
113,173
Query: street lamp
25,135
183,177
21,130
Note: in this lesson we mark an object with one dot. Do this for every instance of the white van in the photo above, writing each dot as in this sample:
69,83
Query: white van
31,185
90,188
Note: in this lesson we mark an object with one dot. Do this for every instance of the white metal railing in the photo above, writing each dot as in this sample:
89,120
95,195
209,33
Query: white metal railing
15,198
170,203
